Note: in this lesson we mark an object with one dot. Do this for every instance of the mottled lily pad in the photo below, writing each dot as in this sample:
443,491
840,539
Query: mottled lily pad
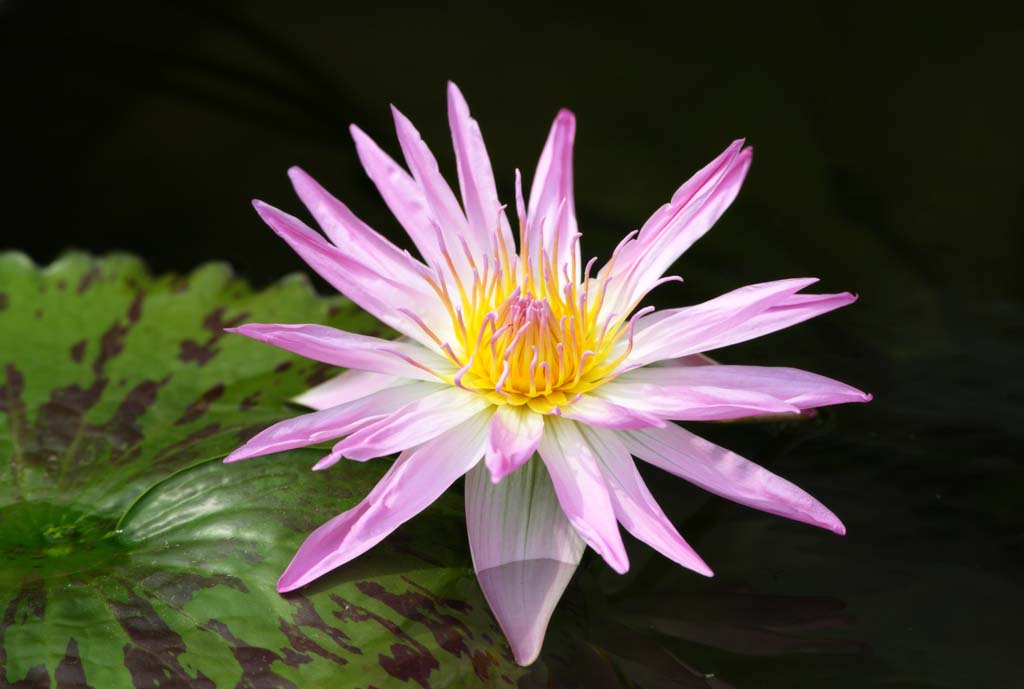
131,556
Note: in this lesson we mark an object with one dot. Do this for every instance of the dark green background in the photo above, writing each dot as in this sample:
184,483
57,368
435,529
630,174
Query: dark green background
887,163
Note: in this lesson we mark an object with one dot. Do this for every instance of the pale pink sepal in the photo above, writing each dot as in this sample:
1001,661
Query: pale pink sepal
581,489
345,387
524,551
415,423
351,350
635,507
332,423
725,473
417,478
512,438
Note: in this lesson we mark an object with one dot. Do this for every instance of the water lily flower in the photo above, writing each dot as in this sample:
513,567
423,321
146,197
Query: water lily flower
527,371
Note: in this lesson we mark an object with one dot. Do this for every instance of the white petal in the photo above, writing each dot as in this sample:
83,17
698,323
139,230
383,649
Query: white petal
345,387
524,551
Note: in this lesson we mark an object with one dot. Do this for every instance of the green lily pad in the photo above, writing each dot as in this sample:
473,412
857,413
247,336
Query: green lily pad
132,557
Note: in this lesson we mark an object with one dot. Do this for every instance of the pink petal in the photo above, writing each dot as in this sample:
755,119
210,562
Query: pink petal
736,316
665,399
379,294
413,424
352,235
512,438
351,350
725,473
524,551
401,193
417,478
476,178
331,423
581,489
595,411
674,227
800,389
635,507
688,360
345,387
444,207
551,202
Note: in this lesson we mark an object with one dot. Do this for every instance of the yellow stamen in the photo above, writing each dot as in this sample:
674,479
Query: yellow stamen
528,330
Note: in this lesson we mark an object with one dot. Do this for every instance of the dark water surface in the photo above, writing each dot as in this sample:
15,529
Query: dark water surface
887,163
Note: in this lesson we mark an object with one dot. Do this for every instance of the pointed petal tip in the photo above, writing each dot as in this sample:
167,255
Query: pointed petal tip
828,521
619,566
565,117
327,462
497,473
697,564
236,456
524,654
286,583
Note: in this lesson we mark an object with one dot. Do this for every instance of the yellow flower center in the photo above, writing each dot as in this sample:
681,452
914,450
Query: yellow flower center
524,336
